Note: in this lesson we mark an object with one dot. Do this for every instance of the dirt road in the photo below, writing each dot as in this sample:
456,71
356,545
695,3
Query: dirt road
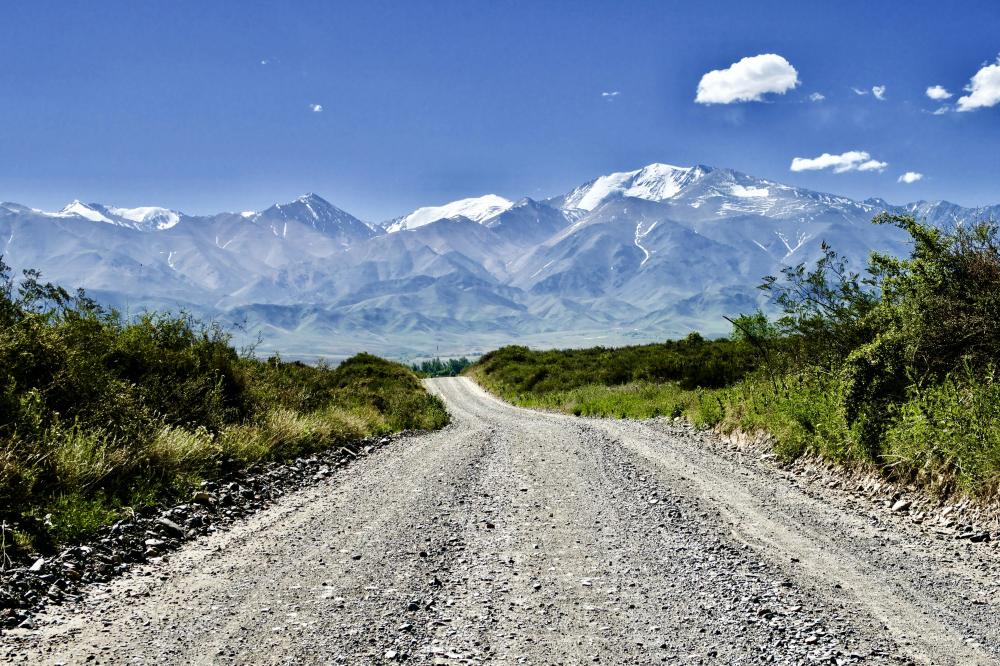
519,537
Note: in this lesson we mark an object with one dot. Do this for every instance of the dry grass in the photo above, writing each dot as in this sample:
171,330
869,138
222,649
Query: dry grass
85,458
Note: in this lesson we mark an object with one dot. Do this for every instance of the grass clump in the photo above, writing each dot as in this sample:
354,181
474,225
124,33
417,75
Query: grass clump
99,415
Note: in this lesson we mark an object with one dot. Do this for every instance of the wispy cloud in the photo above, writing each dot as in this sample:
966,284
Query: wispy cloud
910,177
879,92
610,95
316,108
817,97
983,89
859,91
938,93
852,160
941,110
747,80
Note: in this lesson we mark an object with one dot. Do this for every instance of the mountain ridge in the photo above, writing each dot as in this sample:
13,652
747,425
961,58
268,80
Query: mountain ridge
636,255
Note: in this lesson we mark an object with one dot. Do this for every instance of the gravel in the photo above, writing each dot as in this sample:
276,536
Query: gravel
149,534
514,536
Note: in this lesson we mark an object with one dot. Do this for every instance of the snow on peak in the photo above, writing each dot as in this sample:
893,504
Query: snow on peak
144,218
655,182
312,202
81,209
477,209
147,217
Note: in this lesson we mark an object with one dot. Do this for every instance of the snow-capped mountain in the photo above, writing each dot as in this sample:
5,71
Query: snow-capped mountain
476,209
655,182
636,255
313,211
146,218
318,213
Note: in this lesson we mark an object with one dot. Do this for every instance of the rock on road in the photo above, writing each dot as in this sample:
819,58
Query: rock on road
514,536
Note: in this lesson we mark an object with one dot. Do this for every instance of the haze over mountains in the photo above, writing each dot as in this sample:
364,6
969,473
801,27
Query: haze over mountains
630,256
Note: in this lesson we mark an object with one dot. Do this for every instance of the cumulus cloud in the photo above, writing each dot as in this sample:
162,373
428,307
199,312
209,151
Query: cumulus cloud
983,89
610,95
879,92
747,80
909,177
817,97
852,160
859,91
316,108
938,93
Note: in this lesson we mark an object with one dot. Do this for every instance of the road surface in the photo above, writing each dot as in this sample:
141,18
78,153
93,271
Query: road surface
514,536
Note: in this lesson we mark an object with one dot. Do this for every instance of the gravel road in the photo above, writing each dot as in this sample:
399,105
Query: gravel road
514,537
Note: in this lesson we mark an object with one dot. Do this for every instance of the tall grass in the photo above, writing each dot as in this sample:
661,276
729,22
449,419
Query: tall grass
947,435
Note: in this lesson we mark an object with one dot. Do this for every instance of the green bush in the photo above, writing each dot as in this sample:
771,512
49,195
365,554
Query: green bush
946,435
98,414
451,367
691,363
875,379
913,345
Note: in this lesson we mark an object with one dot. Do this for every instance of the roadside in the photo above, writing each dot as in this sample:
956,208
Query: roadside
514,536
150,535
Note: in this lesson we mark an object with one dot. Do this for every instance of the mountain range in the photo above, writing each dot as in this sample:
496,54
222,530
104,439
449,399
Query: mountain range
632,256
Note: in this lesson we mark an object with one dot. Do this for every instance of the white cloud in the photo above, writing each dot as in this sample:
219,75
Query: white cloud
909,177
941,110
859,91
872,165
817,97
852,160
983,89
938,93
316,108
610,95
879,92
747,80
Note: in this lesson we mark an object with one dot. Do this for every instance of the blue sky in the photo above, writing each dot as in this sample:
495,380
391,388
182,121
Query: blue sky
209,106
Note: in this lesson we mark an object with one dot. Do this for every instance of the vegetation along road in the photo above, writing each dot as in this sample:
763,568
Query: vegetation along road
516,536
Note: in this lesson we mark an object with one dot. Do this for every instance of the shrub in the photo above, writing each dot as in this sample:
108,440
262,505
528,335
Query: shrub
946,434
693,362
898,340
451,367
98,413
